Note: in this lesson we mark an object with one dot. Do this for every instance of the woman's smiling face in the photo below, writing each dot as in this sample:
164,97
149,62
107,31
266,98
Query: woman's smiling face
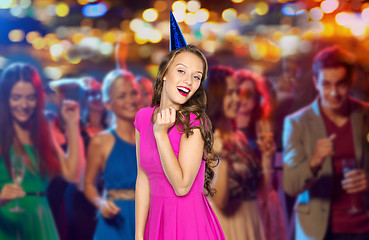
183,78
22,101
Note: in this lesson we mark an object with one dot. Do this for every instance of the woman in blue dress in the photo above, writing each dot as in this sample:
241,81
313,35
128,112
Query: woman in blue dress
113,152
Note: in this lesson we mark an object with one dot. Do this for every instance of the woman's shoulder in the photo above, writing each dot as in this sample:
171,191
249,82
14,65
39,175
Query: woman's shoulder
143,112
102,138
142,116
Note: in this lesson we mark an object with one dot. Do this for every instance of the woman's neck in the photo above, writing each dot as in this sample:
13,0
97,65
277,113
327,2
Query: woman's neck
22,133
226,127
165,102
94,119
125,129
243,121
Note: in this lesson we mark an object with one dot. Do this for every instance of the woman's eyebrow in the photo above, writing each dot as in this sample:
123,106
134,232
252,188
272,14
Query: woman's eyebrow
181,64
187,67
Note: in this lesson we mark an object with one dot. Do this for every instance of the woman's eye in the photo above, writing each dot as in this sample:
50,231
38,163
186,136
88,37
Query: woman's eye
32,98
181,71
196,77
15,98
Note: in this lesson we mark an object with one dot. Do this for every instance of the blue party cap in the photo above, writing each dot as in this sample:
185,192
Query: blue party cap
176,37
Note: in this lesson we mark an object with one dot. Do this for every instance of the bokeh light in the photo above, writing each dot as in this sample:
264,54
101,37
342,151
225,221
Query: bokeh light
31,36
83,2
229,14
329,6
25,3
106,48
358,30
343,18
136,24
202,15
53,73
365,16
262,8
190,19
62,9
4,4
94,10
18,11
109,37
193,6
180,15
56,50
179,6
16,35
150,15
316,14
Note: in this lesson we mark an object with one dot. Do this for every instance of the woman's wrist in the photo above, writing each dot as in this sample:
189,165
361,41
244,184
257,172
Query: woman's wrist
160,134
102,202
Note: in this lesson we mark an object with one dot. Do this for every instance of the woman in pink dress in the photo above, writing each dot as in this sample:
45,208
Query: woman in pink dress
175,155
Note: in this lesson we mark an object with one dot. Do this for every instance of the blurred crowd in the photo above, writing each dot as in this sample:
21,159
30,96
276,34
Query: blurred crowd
280,141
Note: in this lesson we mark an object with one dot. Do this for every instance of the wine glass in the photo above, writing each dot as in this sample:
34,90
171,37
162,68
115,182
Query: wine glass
348,165
17,172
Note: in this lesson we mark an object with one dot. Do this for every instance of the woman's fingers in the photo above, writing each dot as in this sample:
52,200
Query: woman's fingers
109,209
113,207
11,191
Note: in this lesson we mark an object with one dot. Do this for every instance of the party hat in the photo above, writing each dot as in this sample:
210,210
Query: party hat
176,37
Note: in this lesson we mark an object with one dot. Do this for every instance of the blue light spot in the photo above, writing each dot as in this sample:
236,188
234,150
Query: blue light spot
94,10
291,9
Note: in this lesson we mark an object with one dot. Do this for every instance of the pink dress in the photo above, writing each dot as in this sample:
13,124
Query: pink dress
170,216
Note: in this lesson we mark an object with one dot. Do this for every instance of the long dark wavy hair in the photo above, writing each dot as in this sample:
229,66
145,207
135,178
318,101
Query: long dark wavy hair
262,97
216,88
196,105
46,160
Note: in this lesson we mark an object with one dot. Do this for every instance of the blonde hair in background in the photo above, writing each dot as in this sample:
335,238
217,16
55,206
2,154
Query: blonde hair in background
110,79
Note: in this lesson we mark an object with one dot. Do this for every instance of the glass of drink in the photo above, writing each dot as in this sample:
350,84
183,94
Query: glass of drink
348,165
17,172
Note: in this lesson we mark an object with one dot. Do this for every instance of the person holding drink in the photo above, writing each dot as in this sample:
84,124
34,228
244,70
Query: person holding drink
326,155
30,156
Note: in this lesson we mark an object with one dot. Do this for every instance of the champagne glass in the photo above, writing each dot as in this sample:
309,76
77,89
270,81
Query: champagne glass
348,165
17,172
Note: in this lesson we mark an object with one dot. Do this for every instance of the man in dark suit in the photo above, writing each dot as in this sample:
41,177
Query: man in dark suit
318,141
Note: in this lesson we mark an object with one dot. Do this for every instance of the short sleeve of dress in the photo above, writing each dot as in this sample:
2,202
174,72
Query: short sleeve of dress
138,120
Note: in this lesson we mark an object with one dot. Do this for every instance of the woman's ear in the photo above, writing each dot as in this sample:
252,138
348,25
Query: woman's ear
107,105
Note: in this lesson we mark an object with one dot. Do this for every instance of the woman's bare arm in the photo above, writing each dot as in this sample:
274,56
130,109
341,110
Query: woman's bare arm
142,195
73,163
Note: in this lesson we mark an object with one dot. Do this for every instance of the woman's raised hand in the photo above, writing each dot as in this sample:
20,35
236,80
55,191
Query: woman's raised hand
164,120
70,111
265,139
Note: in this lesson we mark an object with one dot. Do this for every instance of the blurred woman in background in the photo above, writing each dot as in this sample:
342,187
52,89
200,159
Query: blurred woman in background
253,120
80,213
145,91
24,134
240,174
113,153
